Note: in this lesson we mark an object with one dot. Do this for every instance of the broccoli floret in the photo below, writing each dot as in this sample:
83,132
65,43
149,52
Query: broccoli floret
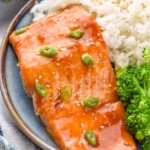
146,145
137,117
125,77
133,85
124,84
138,107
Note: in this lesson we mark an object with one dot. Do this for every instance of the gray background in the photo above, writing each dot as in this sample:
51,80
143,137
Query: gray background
7,12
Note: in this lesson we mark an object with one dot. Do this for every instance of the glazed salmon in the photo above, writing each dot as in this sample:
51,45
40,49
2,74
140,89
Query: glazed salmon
67,121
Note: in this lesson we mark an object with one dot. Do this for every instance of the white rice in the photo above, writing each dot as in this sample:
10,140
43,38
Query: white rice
125,24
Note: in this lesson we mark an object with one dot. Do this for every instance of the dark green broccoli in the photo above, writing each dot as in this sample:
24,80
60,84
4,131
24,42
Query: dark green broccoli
146,146
124,84
133,85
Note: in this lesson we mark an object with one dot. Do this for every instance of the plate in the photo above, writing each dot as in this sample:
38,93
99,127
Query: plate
16,100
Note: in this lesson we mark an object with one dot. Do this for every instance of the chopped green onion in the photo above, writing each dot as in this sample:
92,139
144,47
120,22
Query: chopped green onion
91,102
76,34
87,60
48,51
20,31
90,137
66,92
41,90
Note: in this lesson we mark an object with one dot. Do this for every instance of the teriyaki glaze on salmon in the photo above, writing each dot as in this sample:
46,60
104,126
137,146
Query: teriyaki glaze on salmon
65,69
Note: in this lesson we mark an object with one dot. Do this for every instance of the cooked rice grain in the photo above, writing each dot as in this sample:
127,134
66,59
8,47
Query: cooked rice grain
125,24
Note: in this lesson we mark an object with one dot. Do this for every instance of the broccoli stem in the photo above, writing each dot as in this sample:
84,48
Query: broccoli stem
147,84
138,88
148,87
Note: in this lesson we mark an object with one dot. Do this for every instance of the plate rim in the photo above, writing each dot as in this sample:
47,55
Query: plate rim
3,87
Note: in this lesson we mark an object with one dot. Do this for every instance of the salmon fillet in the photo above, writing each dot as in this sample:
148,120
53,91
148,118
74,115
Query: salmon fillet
67,121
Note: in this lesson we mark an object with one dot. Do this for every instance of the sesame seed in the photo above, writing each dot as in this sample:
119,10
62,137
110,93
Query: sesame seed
86,110
76,25
71,55
95,118
126,143
97,43
78,104
36,113
106,122
75,20
90,39
104,81
47,85
82,125
36,80
100,55
53,73
92,43
58,88
57,64
40,77
102,127
110,85
18,65
63,49
98,34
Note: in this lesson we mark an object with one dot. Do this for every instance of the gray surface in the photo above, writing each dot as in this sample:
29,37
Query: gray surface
7,12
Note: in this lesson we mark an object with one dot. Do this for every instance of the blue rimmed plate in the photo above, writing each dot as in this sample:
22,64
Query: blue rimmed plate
17,102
